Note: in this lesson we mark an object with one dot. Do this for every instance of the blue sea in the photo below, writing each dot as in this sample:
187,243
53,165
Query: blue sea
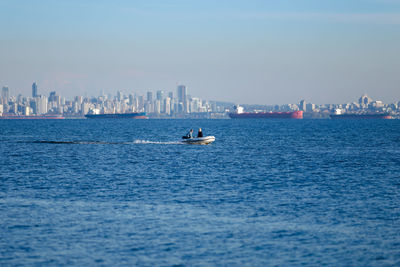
265,193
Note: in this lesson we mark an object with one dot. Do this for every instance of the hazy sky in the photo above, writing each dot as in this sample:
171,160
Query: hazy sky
249,51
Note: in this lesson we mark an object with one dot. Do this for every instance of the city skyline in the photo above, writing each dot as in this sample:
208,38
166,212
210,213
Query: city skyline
181,104
256,52
180,92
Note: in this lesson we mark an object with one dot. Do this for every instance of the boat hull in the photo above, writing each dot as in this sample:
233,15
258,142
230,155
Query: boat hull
134,115
32,117
199,141
267,115
383,116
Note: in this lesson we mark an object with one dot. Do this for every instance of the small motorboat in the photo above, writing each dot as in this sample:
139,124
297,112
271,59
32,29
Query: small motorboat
199,140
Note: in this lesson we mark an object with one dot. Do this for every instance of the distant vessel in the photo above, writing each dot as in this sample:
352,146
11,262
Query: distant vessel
384,116
239,114
339,115
133,115
33,117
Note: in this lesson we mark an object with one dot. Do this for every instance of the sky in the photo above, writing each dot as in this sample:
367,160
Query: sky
246,52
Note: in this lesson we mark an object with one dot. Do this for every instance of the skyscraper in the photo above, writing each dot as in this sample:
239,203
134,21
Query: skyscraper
4,95
181,92
34,90
52,96
149,96
167,106
303,105
160,95
141,103
41,104
182,97
120,96
364,101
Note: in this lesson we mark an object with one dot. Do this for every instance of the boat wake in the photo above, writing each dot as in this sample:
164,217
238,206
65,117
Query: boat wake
80,142
157,142
102,142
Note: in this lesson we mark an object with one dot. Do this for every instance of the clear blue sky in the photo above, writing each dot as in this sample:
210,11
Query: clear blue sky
249,51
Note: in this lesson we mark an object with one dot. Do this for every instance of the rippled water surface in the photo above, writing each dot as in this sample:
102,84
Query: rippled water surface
266,192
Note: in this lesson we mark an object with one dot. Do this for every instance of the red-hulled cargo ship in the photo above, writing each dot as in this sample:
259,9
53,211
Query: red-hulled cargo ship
33,117
239,114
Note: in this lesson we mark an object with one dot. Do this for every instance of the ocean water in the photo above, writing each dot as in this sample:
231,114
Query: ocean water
266,192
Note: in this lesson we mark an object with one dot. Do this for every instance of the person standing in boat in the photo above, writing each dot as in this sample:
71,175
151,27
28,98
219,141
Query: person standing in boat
199,133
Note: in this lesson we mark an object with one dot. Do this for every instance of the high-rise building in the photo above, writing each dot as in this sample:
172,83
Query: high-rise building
34,90
149,96
181,92
160,95
52,96
54,102
5,95
167,106
85,108
194,105
157,106
120,95
172,105
131,99
149,107
364,101
140,103
310,107
303,105
41,104
182,97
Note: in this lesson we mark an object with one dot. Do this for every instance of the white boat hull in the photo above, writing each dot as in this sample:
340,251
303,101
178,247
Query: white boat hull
199,140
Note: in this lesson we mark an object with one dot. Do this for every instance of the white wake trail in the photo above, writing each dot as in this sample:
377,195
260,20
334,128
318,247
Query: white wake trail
157,142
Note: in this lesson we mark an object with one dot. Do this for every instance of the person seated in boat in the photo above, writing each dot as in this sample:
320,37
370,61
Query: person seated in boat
199,133
189,135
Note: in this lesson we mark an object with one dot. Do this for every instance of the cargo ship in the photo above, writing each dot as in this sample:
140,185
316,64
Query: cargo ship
239,114
339,115
133,115
382,116
32,117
